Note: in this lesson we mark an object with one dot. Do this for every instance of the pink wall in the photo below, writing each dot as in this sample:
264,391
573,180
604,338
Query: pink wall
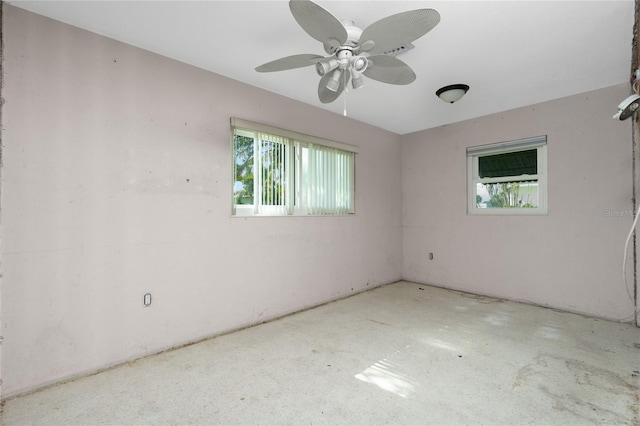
116,181
570,259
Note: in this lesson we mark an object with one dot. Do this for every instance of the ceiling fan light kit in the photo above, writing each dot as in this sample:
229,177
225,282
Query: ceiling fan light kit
326,65
359,63
334,82
356,80
355,52
452,93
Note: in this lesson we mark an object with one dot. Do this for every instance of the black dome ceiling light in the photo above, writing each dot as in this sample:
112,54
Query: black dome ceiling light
452,93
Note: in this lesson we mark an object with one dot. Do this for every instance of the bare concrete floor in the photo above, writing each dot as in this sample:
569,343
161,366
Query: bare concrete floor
399,354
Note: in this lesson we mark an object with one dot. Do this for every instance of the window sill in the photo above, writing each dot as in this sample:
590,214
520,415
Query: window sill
508,212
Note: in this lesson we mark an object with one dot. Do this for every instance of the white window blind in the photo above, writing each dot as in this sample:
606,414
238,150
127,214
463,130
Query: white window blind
329,180
515,145
272,182
240,124
279,172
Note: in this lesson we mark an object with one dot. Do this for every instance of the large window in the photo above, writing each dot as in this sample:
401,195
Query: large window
278,172
508,177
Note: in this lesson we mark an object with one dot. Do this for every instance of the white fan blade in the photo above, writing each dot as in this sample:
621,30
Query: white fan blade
318,22
398,30
389,69
289,63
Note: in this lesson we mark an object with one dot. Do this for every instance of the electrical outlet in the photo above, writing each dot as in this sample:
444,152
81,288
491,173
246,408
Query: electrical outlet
147,299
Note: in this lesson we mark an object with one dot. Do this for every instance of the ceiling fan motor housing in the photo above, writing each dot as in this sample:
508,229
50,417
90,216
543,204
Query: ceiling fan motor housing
353,33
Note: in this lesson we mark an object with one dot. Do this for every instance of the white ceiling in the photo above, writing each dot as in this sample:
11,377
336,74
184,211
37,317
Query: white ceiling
511,53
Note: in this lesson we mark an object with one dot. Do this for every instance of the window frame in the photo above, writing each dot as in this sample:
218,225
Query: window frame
295,143
539,143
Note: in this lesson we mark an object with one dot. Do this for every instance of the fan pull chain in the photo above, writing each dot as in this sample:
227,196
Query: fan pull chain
346,90
344,112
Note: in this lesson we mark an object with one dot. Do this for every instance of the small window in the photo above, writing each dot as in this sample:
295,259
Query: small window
278,172
508,177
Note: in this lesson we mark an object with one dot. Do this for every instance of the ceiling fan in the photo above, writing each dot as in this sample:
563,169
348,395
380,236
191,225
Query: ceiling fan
353,51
